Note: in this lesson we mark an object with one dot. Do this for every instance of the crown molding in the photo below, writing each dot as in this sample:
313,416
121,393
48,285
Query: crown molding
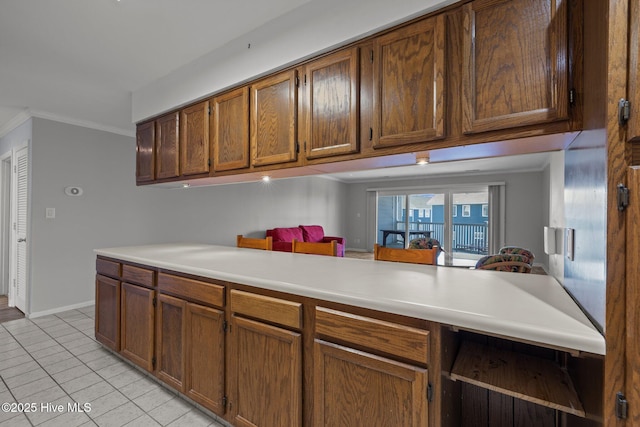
27,113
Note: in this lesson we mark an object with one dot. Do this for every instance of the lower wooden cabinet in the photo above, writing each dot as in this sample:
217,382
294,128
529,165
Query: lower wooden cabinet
205,352
267,375
108,312
170,341
137,318
355,388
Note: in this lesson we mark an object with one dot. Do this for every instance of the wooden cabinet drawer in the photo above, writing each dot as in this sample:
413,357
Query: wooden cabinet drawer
108,268
402,341
195,290
282,312
137,275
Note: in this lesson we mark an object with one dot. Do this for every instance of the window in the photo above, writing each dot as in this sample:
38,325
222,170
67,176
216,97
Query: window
466,211
485,211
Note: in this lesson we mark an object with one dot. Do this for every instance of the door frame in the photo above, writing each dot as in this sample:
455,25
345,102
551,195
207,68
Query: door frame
6,194
14,240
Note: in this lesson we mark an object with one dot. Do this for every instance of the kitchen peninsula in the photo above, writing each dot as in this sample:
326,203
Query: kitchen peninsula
223,325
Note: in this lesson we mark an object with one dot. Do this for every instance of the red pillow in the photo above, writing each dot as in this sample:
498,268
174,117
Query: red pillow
287,234
312,233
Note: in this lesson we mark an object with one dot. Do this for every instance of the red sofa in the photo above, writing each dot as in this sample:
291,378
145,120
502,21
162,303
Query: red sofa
282,237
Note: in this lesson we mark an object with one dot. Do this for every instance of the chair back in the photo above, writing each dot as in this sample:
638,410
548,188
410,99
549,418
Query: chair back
504,262
414,256
315,248
252,243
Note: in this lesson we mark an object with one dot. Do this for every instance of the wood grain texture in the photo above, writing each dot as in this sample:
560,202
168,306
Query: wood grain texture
138,275
268,380
265,244
230,130
633,127
170,341
615,13
168,146
274,115
282,312
315,248
378,335
514,70
414,256
332,101
522,376
633,296
408,97
191,289
194,139
354,388
137,318
107,320
145,151
205,365
108,268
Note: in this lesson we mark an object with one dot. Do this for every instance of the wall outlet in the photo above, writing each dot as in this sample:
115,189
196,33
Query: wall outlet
50,213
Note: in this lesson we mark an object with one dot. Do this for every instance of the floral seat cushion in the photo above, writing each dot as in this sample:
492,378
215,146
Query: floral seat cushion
425,243
504,262
514,250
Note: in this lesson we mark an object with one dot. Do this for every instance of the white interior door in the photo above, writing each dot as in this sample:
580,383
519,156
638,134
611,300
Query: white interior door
21,173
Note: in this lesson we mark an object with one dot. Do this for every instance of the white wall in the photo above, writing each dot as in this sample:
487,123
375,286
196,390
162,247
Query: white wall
114,212
554,193
314,27
524,209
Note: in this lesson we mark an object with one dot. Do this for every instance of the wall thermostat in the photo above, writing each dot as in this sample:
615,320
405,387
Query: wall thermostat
73,191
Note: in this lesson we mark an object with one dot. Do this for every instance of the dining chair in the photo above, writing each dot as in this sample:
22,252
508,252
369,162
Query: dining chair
414,256
315,248
253,243
504,262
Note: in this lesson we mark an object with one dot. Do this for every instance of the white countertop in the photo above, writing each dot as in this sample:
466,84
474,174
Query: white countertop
529,307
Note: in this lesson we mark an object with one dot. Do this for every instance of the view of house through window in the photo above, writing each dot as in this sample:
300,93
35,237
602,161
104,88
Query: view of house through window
457,219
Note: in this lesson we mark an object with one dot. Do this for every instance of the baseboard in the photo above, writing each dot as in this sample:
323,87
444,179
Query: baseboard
60,309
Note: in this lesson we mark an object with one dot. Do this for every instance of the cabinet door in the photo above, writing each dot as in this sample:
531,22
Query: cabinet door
167,146
230,130
514,64
170,341
352,388
136,325
274,110
331,105
268,375
194,139
205,357
633,131
408,74
145,152
108,312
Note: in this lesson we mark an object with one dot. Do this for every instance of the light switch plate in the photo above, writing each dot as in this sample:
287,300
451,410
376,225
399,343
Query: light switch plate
50,213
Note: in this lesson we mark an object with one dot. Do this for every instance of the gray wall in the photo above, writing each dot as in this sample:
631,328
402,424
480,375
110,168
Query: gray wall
586,212
114,212
526,211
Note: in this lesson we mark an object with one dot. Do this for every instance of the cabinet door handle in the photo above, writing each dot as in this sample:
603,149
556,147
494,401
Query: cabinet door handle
22,240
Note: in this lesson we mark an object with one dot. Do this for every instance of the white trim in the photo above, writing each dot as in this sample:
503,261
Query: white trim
26,114
60,309
410,189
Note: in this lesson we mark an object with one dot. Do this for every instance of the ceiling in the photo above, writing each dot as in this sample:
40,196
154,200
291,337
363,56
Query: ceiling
79,61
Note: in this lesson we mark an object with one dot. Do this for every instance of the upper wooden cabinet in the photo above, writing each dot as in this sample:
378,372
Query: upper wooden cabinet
633,131
168,146
408,75
145,152
194,139
331,104
274,111
514,70
230,130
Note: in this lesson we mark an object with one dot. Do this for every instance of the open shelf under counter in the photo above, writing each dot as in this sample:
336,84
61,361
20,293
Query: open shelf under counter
522,376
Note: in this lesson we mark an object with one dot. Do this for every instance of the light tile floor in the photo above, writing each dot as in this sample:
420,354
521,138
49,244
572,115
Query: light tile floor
51,362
